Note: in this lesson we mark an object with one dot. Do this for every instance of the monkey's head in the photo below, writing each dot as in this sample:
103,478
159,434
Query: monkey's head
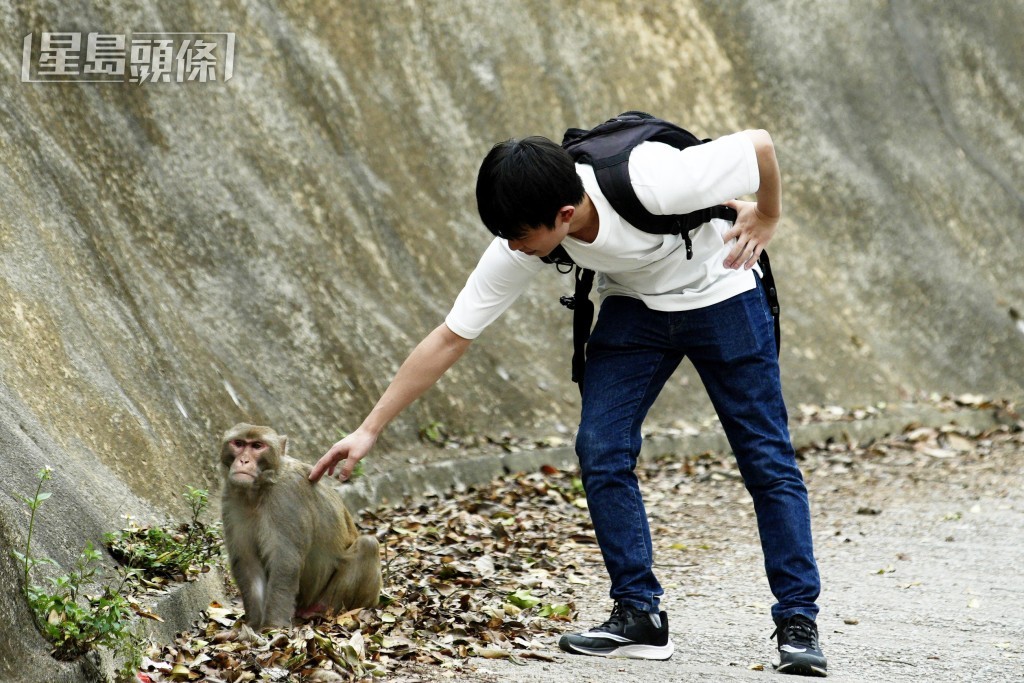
251,454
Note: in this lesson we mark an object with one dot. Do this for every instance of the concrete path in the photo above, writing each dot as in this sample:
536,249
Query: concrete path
921,550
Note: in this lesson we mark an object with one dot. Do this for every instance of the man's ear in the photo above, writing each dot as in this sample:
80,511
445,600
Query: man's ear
567,212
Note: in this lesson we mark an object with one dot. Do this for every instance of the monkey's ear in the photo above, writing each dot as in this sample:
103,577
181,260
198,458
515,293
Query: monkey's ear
283,444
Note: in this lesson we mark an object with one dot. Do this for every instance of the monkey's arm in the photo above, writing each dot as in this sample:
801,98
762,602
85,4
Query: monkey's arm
252,584
284,573
246,568
428,361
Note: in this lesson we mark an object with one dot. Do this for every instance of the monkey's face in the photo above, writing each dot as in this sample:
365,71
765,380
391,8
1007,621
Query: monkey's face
247,454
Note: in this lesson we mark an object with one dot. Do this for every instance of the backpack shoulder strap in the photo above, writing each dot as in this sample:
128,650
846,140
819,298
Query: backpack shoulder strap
606,148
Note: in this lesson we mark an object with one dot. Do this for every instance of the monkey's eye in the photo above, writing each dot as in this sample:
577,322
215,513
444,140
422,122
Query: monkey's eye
258,445
238,443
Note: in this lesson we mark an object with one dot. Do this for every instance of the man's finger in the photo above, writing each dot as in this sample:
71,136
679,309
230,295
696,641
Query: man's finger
346,470
733,259
752,260
324,464
316,472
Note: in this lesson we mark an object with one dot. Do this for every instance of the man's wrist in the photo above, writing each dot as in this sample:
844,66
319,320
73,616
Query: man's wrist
370,428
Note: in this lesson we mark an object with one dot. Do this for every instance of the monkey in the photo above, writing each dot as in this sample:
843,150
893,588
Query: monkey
292,544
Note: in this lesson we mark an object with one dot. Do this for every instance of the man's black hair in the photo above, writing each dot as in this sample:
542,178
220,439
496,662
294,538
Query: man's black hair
523,183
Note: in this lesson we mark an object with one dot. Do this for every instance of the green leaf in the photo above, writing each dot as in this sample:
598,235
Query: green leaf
523,598
560,609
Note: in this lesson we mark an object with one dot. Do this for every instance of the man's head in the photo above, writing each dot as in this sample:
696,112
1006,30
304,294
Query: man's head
524,184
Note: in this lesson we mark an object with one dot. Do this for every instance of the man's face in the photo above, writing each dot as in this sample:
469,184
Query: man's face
542,240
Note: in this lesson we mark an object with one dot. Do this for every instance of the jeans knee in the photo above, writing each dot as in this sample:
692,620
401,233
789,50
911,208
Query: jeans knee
770,482
600,451
770,467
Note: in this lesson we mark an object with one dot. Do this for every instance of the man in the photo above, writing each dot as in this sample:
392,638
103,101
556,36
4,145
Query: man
657,306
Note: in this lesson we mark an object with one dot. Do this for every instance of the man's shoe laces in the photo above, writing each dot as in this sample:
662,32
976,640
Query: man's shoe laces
798,630
619,615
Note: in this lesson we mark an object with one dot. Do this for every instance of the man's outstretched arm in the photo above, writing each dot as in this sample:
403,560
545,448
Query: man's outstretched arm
425,365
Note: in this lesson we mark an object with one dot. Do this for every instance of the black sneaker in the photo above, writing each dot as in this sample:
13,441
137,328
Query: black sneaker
629,632
799,652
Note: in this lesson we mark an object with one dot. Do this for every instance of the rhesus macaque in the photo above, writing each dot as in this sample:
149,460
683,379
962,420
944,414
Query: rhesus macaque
293,546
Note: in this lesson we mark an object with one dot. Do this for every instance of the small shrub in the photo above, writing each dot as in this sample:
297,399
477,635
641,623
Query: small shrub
179,552
76,622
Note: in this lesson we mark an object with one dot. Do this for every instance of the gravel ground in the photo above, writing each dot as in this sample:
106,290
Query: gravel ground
919,542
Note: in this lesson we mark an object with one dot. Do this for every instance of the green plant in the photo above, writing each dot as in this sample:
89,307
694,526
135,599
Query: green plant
198,501
177,552
73,627
131,651
29,562
434,432
76,622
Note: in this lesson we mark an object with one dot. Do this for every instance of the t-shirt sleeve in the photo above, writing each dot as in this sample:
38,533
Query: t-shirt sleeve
670,181
497,281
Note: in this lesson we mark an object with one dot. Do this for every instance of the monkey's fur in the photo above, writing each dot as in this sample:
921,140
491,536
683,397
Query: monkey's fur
292,543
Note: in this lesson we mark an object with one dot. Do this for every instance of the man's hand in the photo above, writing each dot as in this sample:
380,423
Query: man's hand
349,451
428,361
752,231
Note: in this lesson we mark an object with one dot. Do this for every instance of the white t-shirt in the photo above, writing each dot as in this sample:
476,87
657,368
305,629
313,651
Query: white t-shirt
629,261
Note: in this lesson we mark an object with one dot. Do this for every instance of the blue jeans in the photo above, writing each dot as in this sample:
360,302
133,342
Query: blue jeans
631,354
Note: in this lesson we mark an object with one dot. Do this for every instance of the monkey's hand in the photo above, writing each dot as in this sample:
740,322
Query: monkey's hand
348,451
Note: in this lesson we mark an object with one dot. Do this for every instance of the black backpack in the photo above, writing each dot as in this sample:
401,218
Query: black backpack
606,148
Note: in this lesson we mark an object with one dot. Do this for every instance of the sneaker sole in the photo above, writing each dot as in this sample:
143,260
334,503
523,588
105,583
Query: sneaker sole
657,652
802,669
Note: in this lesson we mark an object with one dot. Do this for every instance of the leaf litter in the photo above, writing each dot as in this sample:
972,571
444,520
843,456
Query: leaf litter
493,572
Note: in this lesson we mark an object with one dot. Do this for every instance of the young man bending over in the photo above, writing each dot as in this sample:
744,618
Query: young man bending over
657,306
